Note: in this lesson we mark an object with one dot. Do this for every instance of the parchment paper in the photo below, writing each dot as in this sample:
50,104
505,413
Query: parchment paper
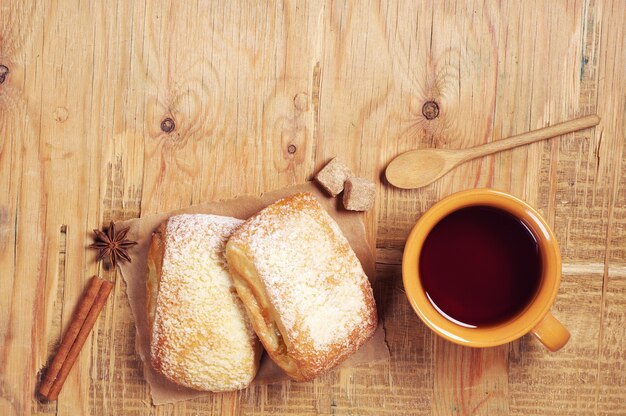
164,391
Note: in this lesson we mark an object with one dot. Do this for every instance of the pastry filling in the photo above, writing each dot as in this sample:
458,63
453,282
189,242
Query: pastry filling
251,291
153,276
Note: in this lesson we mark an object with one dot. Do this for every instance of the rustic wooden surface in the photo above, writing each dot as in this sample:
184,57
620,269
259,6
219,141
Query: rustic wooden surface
261,97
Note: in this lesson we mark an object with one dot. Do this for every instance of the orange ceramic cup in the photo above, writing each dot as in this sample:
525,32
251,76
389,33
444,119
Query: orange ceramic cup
534,318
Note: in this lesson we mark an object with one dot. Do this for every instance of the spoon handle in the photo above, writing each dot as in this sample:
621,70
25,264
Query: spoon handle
530,137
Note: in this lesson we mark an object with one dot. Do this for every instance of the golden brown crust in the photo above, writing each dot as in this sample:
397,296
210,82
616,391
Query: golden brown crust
153,275
305,291
200,335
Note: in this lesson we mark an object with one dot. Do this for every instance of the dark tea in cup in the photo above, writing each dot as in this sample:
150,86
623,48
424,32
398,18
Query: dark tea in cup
480,266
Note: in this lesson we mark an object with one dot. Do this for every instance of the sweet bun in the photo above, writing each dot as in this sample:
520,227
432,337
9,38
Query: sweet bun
302,285
200,335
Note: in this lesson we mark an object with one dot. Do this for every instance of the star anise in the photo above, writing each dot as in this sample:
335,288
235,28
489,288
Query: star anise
112,244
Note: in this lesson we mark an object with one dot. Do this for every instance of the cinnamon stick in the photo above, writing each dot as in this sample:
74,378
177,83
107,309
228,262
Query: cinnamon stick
70,336
75,337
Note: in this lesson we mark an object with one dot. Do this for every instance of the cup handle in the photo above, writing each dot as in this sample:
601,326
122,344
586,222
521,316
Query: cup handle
551,333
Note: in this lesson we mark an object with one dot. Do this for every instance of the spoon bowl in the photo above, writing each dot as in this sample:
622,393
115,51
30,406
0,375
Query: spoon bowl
417,168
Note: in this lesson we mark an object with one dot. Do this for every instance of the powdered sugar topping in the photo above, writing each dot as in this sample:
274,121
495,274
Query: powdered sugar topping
311,275
202,336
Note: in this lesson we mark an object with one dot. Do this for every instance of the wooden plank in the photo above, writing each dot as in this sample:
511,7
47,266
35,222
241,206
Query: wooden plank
260,97
22,220
611,383
470,381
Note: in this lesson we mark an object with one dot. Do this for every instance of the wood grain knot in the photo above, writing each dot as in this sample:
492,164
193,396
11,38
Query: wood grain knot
168,125
4,71
291,149
430,110
301,101
61,114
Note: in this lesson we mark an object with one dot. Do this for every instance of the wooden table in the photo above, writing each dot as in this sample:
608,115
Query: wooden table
112,110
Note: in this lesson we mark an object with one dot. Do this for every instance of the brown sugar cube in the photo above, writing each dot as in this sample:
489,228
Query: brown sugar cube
359,194
332,176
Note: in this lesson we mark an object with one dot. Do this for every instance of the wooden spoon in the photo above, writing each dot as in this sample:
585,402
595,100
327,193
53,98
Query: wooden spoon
418,168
